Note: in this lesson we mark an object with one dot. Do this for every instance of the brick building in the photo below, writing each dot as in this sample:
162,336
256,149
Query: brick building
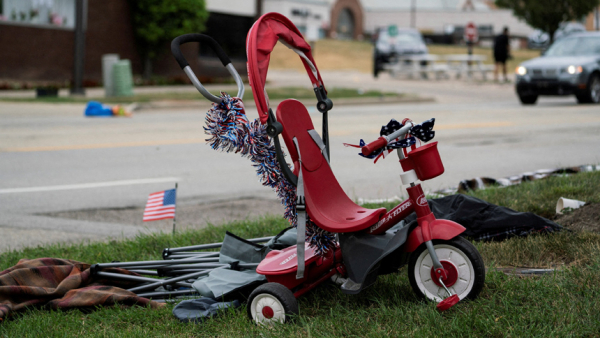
41,47
592,21
37,36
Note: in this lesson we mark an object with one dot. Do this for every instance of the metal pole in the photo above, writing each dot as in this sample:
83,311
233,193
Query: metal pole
175,213
145,272
258,7
79,44
201,254
204,266
166,293
326,135
167,251
470,52
597,12
168,281
174,256
413,13
153,263
141,279
170,273
193,266
145,267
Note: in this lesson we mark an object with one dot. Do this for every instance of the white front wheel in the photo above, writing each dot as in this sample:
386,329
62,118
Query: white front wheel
462,262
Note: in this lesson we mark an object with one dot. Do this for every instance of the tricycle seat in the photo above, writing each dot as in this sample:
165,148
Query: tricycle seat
327,204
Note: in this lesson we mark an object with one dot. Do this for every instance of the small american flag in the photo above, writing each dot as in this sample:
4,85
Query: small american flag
160,205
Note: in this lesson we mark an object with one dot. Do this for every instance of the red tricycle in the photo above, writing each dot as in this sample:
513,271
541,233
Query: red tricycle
442,266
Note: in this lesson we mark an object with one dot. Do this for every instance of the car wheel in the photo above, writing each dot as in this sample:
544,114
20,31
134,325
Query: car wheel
272,303
376,70
592,95
376,65
463,263
528,99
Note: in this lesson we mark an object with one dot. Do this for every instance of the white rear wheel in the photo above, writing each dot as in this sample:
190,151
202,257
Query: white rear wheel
272,303
266,308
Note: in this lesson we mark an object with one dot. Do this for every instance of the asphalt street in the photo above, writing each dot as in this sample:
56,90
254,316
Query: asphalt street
64,177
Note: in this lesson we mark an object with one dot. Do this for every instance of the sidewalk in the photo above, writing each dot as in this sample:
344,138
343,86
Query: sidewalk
443,91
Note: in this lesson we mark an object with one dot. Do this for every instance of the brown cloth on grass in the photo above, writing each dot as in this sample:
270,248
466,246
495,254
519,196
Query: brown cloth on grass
62,284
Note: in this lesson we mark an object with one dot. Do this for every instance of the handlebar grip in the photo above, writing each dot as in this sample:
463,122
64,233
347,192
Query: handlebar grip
377,144
194,37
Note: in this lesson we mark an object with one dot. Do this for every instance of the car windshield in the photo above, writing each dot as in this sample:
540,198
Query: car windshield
408,37
574,46
402,37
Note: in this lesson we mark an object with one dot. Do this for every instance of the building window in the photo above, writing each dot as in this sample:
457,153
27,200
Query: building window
48,13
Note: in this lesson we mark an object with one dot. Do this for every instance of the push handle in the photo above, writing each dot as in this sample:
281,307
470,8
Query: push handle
176,50
377,144
180,40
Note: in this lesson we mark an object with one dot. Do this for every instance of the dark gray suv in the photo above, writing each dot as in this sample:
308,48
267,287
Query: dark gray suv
390,47
570,66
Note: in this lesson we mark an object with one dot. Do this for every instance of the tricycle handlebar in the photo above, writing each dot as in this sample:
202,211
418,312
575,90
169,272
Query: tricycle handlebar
384,140
377,144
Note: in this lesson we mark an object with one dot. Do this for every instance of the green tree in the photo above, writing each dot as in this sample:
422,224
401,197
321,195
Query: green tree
548,14
157,22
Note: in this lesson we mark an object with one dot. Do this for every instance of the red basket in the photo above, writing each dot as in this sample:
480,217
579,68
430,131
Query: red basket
425,161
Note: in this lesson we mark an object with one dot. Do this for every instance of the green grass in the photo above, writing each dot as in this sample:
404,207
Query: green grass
274,94
562,304
541,197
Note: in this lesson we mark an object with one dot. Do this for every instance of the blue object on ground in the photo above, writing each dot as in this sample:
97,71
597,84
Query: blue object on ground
97,109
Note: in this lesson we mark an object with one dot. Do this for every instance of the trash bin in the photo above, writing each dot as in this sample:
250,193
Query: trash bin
108,61
122,78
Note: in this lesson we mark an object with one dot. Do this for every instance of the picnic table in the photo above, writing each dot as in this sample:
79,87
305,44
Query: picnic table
421,64
461,65
465,64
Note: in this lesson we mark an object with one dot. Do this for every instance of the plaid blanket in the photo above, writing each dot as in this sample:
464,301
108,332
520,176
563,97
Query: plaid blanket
61,284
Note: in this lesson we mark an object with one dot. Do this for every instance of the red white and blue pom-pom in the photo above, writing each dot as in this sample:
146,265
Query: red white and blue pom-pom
230,131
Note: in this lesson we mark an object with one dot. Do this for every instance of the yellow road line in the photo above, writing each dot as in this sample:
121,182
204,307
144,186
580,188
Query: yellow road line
473,125
198,141
103,145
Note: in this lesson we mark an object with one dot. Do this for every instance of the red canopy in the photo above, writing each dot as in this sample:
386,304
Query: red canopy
261,40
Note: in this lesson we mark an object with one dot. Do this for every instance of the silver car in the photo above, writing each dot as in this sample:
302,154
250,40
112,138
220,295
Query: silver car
570,66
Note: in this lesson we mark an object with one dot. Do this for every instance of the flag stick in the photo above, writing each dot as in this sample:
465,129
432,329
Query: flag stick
175,208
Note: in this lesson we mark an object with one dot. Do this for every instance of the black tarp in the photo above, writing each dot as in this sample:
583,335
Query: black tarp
486,221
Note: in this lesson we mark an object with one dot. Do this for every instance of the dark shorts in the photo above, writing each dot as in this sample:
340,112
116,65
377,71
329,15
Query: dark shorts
500,58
